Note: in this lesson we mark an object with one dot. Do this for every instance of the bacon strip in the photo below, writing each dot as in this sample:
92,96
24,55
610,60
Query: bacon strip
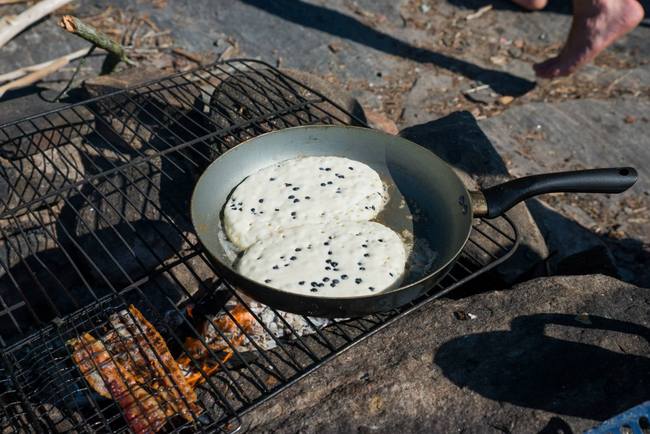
141,410
139,346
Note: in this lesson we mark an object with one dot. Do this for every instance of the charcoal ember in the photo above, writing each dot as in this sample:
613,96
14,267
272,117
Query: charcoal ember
44,173
130,222
247,100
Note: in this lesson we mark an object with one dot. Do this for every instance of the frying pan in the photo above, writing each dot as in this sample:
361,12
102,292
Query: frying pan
429,187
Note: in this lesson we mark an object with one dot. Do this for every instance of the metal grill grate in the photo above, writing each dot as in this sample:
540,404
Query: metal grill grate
94,218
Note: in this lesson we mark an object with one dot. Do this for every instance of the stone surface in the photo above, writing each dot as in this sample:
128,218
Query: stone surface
40,175
125,223
547,137
459,141
564,352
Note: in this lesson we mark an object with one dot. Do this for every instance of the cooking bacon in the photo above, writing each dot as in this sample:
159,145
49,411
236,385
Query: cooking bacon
134,347
142,411
140,348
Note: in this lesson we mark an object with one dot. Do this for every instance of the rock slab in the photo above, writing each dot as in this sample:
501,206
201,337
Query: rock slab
556,353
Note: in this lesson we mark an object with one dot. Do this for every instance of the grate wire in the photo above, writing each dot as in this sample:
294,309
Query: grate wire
93,219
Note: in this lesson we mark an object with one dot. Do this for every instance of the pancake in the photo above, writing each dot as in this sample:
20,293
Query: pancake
301,191
344,259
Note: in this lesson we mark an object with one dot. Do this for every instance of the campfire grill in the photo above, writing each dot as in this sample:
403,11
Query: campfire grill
95,218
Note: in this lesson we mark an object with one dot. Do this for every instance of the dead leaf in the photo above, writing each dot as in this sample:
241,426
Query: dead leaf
499,60
380,121
505,100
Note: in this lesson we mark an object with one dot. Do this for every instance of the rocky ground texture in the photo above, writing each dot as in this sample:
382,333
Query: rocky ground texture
554,354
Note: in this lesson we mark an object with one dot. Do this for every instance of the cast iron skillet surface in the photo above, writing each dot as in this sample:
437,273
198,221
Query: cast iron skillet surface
420,185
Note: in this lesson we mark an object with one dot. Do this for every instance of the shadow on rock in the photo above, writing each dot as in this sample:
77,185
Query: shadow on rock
556,6
344,26
524,367
556,425
458,140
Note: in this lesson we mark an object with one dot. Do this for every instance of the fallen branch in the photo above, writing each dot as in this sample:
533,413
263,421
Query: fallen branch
479,13
34,76
11,2
196,58
116,52
28,17
21,72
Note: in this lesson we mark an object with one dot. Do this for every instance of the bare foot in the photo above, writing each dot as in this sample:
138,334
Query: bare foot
596,25
533,5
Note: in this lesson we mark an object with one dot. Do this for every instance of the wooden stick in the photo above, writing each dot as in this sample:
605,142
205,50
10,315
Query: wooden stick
11,2
186,54
28,17
21,72
89,33
34,76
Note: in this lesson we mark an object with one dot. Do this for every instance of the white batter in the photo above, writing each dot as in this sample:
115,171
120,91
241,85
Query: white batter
301,191
342,259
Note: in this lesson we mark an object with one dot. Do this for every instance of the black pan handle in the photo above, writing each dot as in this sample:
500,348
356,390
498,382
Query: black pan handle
496,200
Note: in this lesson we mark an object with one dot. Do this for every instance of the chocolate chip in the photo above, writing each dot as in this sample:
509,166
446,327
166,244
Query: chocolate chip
344,276
291,197
358,280
366,255
267,281
286,184
302,282
314,290
261,201
293,258
322,184
275,267
326,279
271,179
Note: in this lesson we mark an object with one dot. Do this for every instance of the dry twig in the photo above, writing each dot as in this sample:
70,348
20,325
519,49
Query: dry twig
35,76
28,17
479,13
21,72
191,56
89,33
11,2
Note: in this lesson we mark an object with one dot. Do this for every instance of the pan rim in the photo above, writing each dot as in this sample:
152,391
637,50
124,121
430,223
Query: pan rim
248,281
